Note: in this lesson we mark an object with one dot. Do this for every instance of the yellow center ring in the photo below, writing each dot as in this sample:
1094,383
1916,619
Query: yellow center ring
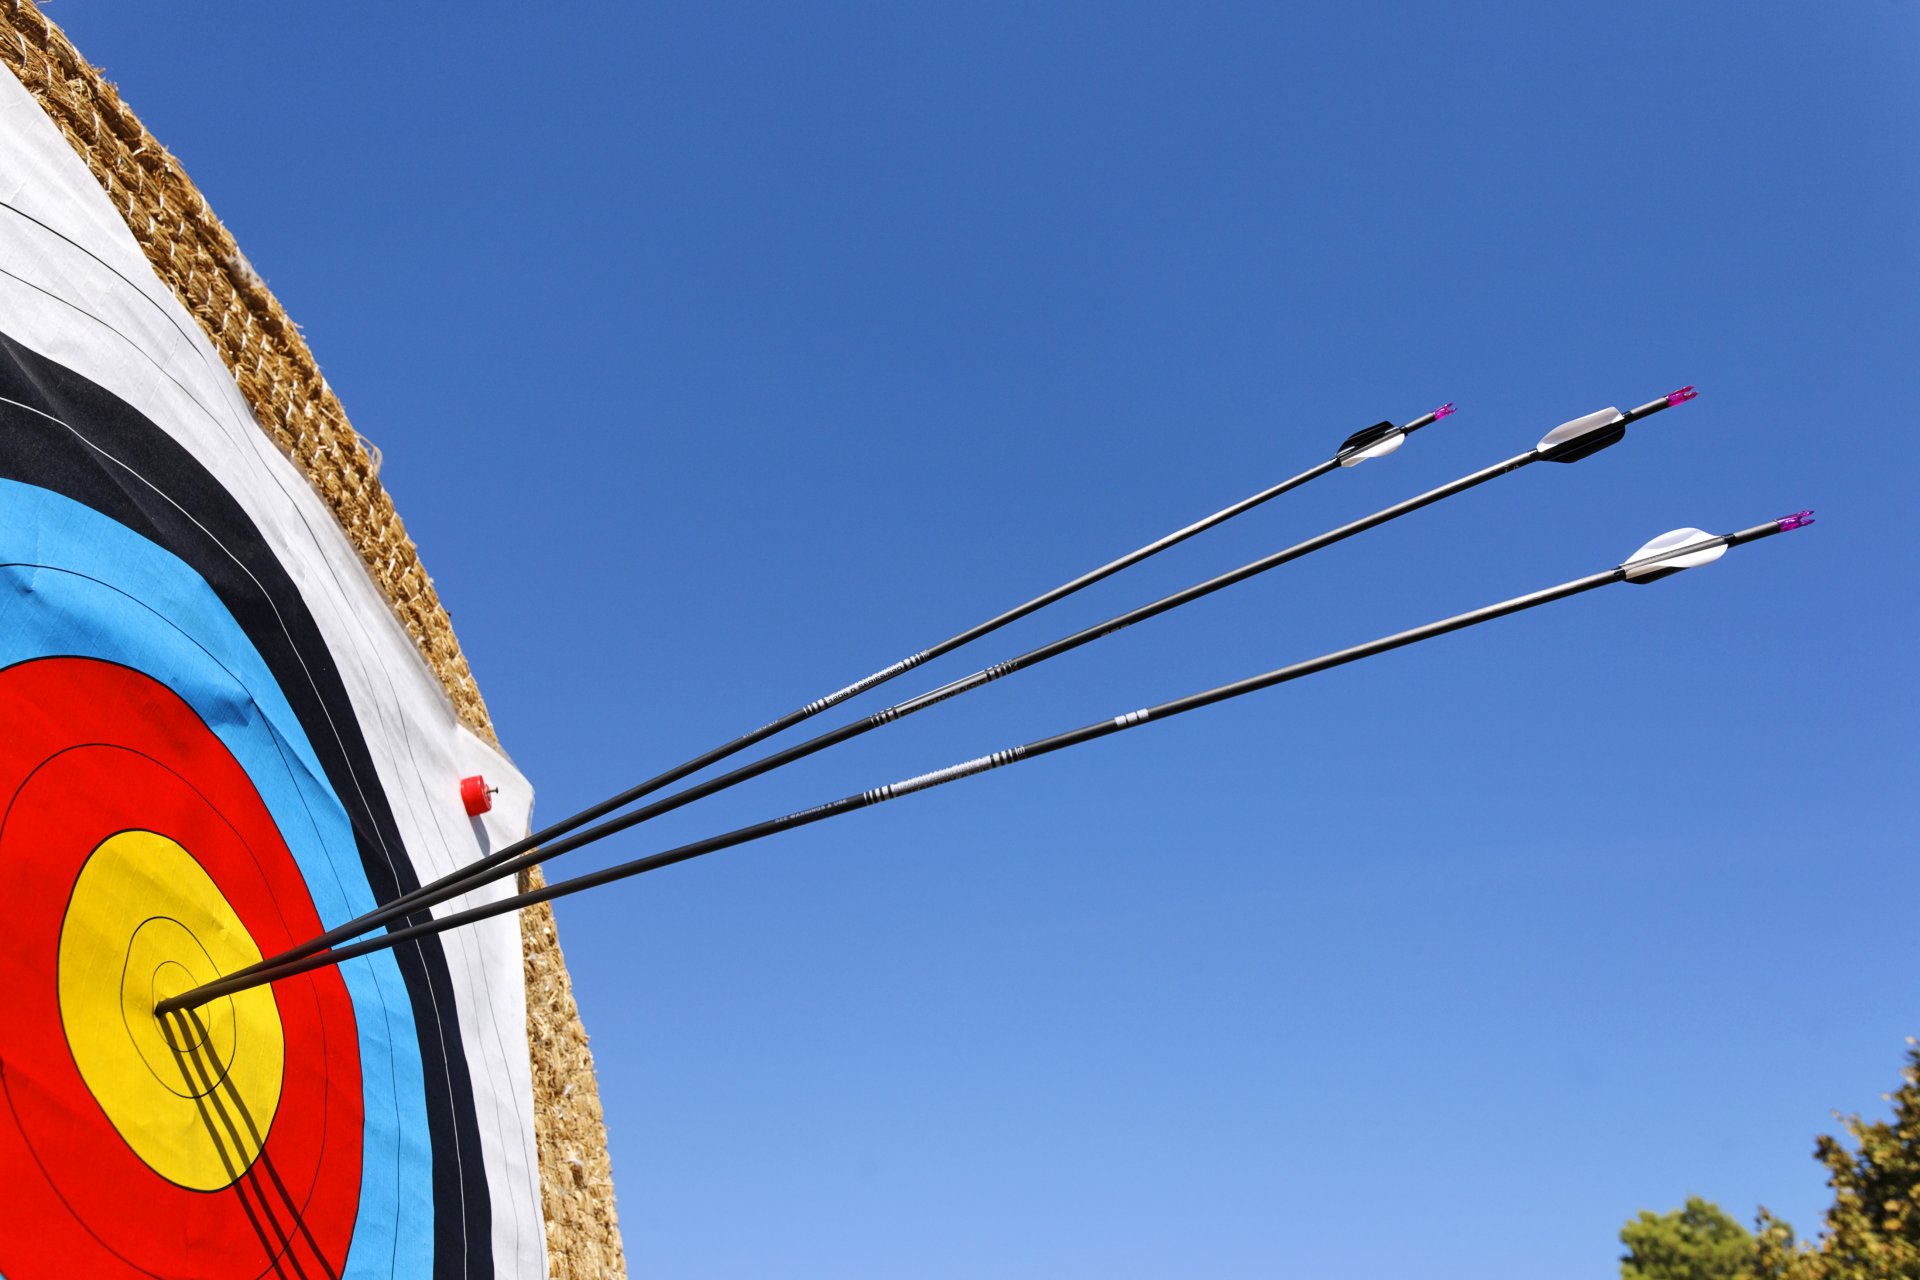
193,1095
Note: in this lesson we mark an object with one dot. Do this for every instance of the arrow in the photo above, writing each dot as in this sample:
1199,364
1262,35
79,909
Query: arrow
1668,554
1566,443
1376,441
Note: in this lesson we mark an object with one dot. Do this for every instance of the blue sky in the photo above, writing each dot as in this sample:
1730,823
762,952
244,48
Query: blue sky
722,354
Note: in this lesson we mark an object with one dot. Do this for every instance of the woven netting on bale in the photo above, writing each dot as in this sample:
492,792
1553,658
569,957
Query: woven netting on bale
190,250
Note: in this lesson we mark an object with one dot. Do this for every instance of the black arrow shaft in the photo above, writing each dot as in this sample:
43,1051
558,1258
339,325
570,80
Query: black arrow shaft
489,869
547,842
940,777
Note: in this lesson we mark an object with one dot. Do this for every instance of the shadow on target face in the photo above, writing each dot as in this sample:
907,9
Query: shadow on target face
234,1131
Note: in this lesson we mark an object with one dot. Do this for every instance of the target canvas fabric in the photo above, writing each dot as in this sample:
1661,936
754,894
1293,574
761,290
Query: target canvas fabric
215,741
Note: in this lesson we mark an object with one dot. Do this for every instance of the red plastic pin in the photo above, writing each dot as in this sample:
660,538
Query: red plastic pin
477,795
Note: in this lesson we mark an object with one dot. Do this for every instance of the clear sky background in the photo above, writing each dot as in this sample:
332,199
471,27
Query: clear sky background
721,354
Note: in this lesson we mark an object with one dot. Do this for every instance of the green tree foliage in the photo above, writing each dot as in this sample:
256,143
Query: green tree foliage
1872,1230
1778,1256
1698,1242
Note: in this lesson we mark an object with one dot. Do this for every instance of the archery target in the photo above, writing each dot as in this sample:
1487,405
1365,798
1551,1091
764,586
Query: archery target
216,742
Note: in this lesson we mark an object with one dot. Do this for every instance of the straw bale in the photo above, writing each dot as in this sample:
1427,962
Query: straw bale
576,1175
190,250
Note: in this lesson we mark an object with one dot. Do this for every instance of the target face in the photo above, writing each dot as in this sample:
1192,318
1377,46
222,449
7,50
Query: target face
193,776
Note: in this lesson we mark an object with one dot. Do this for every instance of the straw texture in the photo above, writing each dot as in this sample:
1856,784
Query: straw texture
193,253
576,1175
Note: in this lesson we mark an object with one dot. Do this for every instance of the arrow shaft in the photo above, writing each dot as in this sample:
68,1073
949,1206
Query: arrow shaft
499,867
547,842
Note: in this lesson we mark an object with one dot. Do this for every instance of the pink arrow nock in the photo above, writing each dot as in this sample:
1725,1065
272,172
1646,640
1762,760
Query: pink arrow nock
1443,411
1798,520
1681,396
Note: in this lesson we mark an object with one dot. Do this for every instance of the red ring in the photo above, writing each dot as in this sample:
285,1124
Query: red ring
92,749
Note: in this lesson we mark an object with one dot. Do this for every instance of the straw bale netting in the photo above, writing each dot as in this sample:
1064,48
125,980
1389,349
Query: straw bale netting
192,252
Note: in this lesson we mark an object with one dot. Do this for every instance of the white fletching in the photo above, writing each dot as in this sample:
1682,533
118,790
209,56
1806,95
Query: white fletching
1673,541
1378,449
1586,426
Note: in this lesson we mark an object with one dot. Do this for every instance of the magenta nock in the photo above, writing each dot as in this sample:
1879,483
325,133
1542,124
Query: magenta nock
1798,520
1443,411
1681,396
